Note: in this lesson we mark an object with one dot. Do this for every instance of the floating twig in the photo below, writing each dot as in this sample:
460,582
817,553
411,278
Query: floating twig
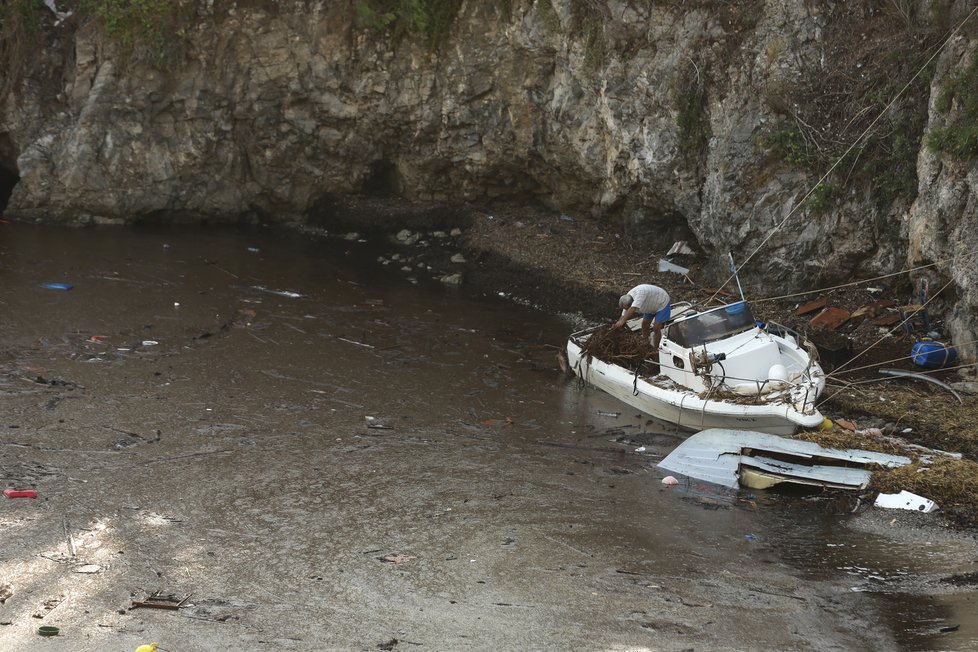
343,339
68,537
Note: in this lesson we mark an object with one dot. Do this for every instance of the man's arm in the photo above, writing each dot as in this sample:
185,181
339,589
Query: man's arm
625,316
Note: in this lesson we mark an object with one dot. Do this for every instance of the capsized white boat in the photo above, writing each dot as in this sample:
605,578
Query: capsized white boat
735,458
717,368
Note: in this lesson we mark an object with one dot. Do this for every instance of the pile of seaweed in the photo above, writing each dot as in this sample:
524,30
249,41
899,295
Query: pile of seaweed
950,482
841,439
621,347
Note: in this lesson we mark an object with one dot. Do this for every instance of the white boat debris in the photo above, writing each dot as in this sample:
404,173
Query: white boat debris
735,458
905,500
680,248
667,266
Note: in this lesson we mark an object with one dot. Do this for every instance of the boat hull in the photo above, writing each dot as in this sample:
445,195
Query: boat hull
740,458
684,407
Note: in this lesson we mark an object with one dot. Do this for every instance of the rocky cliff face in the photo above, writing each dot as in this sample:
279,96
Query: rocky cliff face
652,113
942,224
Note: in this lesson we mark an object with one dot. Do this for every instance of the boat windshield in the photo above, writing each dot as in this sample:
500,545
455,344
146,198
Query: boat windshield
711,326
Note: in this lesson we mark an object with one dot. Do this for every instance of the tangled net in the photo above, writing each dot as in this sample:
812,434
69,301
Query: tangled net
621,347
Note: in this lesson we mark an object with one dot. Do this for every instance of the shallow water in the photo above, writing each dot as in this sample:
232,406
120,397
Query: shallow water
296,350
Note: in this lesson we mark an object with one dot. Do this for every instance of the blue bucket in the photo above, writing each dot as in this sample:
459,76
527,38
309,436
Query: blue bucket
933,355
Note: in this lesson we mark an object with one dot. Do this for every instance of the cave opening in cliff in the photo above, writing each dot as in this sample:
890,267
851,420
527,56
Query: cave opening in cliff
382,181
7,182
8,170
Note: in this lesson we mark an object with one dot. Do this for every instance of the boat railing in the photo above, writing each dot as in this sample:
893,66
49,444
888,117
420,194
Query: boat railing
723,381
680,310
775,328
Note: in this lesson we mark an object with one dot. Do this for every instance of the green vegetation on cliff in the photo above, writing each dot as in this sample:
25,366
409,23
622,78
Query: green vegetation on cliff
20,16
20,29
132,22
958,100
146,25
864,114
689,96
429,19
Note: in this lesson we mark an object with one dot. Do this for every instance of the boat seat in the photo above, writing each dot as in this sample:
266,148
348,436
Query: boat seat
681,309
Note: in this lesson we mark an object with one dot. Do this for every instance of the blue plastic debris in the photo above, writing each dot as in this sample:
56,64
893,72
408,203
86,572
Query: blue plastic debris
57,286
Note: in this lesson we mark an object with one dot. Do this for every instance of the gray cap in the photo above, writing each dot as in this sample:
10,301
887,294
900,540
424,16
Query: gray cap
625,301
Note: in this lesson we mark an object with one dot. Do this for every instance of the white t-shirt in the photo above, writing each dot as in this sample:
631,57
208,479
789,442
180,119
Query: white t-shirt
648,299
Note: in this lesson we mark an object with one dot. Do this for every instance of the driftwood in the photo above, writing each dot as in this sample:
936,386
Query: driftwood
621,347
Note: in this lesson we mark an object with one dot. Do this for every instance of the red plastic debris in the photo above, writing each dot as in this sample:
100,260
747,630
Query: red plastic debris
20,493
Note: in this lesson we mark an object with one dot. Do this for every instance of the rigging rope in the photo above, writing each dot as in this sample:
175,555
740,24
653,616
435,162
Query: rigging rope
906,357
907,319
861,282
851,147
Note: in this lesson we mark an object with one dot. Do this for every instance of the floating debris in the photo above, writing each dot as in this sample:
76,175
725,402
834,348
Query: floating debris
20,493
57,286
398,558
281,293
159,601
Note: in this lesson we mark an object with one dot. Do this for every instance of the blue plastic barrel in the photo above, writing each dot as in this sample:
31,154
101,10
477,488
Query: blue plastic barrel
933,355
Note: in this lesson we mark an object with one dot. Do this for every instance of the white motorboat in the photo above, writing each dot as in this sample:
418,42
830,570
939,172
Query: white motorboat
717,368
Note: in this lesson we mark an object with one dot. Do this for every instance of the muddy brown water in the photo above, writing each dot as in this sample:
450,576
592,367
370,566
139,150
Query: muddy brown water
328,452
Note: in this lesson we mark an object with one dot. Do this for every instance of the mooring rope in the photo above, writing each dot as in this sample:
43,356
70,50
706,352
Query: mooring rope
851,147
867,280
906,357
906,320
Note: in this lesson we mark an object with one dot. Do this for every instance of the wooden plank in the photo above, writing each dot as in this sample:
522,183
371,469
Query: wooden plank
887,320
830,318
871,310
811,306
157,601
